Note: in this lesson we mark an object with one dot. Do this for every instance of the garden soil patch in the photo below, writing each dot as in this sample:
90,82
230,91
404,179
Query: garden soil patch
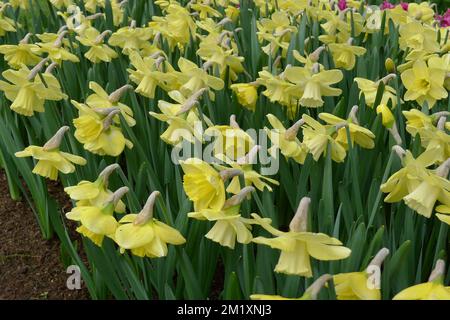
30,267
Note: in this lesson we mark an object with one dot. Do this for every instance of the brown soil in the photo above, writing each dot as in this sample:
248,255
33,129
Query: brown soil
30,267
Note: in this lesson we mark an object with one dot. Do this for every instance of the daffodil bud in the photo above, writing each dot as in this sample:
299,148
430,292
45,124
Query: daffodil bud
291,133
115,96
443,169
399,151
389,65
109,118
224,21
104,175
159,61
63,28
207,65
386,79
379,257
94,16
315,68
102,36
250,157
51,67
56,140
229,173
394,132
147,212
352,114
438,271
238,198
191,102
441,123
300,221
387,118
26,38
315,55
37,68
116,196
233,122
314,289
58,41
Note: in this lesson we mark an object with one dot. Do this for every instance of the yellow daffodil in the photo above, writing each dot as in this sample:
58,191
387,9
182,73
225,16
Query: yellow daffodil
194,78
359,135
434,289
131,38
96,131
246,94
101,100
424,83
344,54
98,51
95,194
276,88
22,53
416,36
98,222
311,292
370,89
92,5
151,72
144,235
387,118
251,177
229,225
298,245
230,140
417,120
436,138
55,50
50,159
182,117
27,91
312,84
286,140
6,24
316,138
364,285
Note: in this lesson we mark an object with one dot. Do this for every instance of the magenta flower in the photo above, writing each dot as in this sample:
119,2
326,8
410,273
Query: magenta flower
342,5
444,20
386,5
404,5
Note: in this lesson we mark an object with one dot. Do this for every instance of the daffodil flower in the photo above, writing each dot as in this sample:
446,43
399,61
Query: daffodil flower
26,90
22,53
298,245
194,78
182,117
101,100
417,120
204,185
434,289
277,88
310,293
95,194
436,138
98,221
131,39
251,177
344,54
92,5
316,138
229,225
144,235
98,51
277,30
370,89
151,72
444,213
286,140
50,159
364,285
95,129
59,4
231,140
56,52
416,36
6,24
311,84
246,94
424,84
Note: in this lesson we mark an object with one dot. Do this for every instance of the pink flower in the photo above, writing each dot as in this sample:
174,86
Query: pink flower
342,5
386,5
444,20
404,5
